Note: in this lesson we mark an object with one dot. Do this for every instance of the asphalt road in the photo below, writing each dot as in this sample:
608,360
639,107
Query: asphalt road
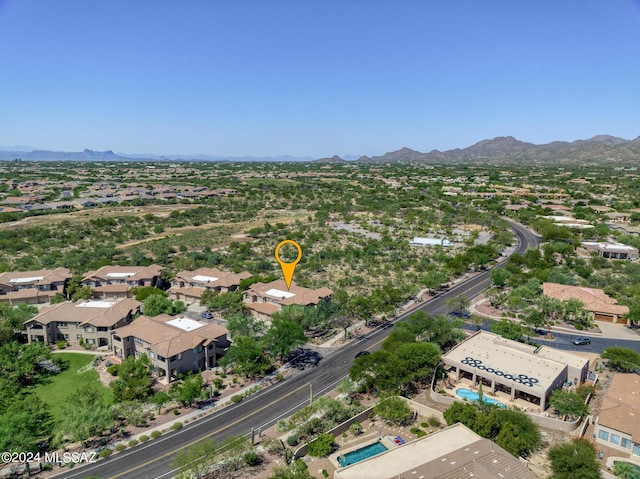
152,460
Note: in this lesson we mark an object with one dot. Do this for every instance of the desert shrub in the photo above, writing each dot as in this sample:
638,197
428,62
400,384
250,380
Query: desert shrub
133,442
113,369
144,438
176,412
424,424
293,440
433,421
271,445
61,344
106,452
282,426
356,428
322,446
236,399
177,426
156,434
121,447
251,458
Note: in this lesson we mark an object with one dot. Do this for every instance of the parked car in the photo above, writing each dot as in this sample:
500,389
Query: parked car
206,315
581,341
362,353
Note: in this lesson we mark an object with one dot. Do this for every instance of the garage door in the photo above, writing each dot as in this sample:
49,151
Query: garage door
604,317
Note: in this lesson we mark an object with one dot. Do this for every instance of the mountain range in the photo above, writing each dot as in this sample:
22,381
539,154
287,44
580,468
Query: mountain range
601,149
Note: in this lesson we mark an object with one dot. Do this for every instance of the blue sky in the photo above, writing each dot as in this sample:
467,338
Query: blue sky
317,78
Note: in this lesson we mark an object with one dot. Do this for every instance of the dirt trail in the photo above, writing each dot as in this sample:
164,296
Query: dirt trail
237,236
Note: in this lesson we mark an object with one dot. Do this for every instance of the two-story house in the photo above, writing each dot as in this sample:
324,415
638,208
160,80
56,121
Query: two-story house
188,286
264,299
174,345
111,282
32,287
86,322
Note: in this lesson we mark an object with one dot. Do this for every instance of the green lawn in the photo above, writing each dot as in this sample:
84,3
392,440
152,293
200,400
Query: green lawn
58,388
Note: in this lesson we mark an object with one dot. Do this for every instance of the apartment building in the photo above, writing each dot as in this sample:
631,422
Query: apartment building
86,322
32,287
174,344
264,299
112,282
188,286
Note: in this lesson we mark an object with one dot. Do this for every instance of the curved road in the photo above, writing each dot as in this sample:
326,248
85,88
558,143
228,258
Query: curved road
152,460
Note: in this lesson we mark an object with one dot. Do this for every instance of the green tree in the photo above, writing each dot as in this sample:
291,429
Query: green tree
226,303
575,459
283,336
84,415
509,329
156,304
134,382
499,277
143,292
241,324
322,446
83,293
25,422
622,359
247,356
394,410
159,399
457,304
569,403
186,392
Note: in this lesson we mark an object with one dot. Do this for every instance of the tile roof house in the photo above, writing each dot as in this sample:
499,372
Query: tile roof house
174,345
188,286
117,281
87,322
264,299
32,287
601,306
618,425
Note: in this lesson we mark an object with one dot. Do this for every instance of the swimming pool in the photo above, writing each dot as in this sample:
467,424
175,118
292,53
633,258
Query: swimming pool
470,395
361,454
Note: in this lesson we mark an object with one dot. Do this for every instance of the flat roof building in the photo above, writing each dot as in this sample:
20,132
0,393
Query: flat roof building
455,452
520,370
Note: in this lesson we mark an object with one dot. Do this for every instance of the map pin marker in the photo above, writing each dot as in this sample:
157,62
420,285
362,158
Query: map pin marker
288,268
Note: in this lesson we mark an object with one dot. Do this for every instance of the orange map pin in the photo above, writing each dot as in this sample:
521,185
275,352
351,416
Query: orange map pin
288,268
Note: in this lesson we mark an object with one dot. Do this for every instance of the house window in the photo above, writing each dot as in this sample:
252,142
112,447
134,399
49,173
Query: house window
614,439
102,329
88,329
161,358
138,341
604,435
62,324
626,443
636,449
